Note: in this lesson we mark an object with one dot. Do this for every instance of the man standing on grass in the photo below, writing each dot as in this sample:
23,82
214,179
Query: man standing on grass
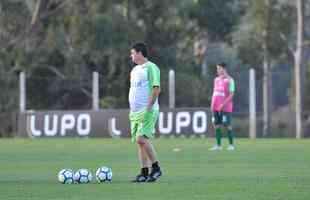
222,106
144,110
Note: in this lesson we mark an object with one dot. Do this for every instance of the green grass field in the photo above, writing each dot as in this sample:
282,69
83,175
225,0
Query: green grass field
263,169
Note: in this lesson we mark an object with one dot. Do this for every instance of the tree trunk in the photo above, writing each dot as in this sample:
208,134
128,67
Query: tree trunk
266,76
204,64
297,67
35,14
41,6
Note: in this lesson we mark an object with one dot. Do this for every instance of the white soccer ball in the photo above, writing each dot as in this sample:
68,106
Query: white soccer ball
82,176
104,174
65,176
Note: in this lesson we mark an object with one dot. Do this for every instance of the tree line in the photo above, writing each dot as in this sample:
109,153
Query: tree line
58,43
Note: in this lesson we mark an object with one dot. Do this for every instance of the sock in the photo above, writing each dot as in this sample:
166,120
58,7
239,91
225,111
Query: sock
218,136
230,137
155,166
145,171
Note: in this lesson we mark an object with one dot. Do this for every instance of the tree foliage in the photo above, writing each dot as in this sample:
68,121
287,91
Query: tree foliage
59,43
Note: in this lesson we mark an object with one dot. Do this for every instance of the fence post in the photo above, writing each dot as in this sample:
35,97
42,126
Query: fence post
22,92
171,89
252,103
95,91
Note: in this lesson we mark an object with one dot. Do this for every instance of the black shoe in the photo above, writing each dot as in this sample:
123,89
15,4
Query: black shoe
140,179
155,174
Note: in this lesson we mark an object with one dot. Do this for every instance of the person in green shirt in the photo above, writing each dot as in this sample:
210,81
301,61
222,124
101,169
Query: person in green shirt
144,109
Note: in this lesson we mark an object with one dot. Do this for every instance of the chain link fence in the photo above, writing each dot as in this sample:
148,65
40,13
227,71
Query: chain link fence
58,93
75,93
8,103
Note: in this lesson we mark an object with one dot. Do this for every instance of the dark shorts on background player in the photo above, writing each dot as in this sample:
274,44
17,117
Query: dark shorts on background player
221,118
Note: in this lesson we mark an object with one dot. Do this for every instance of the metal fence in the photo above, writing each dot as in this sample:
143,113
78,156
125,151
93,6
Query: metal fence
75,93
55,93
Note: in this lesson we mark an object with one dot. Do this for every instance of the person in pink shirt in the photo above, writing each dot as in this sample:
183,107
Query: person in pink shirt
222,106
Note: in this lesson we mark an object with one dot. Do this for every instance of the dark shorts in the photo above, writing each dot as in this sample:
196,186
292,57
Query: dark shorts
221,118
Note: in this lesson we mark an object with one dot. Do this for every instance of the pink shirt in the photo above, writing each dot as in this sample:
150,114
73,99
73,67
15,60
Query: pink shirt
223,86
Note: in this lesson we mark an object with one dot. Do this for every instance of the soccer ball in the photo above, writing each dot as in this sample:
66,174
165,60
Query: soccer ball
82,176
104,174
65,176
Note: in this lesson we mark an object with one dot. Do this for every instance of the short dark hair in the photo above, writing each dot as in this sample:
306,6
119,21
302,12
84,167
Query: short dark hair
222,64
141,47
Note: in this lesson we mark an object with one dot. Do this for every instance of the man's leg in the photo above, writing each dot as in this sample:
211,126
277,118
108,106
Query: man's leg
143,158
144,143
217,121
146,132
230,136
144,161
228,127
218,135
144,172
150,151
